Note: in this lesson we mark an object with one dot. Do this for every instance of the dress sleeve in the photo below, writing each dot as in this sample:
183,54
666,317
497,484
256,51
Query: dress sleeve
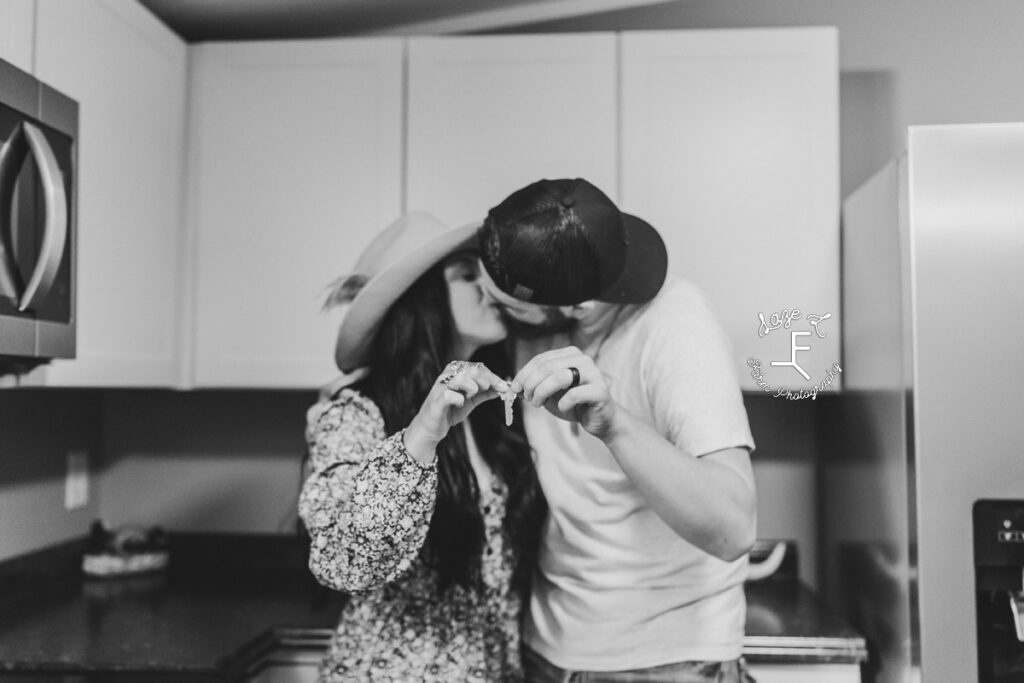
366,502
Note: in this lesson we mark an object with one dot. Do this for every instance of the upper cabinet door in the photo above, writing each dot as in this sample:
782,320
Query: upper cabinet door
17,31
128,73
730,147
490,114
297,165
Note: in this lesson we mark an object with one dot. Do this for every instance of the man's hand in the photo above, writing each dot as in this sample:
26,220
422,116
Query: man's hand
570,386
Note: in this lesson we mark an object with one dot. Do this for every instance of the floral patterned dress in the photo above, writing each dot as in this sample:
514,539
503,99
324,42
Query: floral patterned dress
367,505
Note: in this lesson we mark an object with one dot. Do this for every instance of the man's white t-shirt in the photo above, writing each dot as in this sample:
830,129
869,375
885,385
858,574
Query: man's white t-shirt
616,588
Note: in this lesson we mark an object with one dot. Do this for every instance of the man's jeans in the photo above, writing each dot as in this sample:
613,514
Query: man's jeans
540,670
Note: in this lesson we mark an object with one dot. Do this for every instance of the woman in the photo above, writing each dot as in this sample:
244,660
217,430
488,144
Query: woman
434,537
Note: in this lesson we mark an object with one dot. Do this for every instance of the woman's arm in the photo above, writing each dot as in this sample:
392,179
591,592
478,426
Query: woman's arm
366,502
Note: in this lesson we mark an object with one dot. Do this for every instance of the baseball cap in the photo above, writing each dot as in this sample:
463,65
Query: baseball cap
562,242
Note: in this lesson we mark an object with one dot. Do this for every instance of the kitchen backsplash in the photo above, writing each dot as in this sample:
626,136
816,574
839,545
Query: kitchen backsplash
38,428
228,461
224,461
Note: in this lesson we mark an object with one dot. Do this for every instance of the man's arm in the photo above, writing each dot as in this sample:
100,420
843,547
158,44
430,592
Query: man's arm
710,501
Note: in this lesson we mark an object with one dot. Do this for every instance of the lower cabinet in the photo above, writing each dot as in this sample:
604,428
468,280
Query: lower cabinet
288,665
805,673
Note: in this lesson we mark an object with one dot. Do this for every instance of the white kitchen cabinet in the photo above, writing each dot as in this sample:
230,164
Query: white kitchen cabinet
730,147
490,114
128,73
17,31
805,673
300,151
297,163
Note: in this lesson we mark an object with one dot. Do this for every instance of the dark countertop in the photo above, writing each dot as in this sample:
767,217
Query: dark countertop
219,608
226,602
786,622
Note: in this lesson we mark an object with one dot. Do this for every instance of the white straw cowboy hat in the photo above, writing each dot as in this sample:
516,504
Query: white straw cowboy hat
394,260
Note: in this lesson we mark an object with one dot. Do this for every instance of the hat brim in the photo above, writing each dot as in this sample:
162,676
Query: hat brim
646,265
364,314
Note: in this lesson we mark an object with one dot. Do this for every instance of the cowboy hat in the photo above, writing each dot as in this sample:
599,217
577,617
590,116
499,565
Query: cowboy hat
394,260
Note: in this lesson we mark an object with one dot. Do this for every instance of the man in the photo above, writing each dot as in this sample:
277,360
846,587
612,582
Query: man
641,441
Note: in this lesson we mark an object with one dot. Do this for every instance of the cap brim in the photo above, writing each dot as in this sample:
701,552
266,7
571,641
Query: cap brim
646,265
363,316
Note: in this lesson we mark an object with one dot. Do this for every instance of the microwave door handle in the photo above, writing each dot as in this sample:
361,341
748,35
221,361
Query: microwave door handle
12,154
55,230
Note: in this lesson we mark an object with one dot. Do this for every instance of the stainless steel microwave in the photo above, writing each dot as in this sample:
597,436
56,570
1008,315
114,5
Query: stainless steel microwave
38,164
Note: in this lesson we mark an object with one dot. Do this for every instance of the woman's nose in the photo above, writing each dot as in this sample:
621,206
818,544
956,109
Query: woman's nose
485,294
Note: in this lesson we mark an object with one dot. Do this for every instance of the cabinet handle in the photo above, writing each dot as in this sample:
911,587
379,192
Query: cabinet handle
55,230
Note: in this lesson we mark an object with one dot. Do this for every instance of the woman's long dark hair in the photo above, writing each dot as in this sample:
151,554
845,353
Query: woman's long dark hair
412,346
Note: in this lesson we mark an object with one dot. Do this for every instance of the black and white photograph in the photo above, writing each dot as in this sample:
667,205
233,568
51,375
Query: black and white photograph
511,341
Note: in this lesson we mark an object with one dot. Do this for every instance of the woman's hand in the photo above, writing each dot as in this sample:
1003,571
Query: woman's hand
461,387
570,386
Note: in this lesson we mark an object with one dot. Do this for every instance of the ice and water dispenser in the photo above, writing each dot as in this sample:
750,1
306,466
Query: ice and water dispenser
999,589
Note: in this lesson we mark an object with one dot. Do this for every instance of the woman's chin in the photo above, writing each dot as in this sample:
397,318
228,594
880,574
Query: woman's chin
500,331
498,336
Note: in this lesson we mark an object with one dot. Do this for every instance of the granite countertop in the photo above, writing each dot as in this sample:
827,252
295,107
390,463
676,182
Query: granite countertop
786,622
225,603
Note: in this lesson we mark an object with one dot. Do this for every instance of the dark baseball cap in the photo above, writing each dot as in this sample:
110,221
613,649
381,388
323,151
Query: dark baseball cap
563,242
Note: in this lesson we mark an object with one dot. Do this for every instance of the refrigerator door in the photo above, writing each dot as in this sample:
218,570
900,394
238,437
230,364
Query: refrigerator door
929,420
966,230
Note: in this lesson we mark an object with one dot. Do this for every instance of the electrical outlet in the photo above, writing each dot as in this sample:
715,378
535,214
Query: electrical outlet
76,485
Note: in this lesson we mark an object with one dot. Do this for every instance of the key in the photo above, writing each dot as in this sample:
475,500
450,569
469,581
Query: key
507,398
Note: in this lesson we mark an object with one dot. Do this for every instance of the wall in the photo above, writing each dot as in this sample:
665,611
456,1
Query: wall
228,461
225,461
189,461
784,461
37,429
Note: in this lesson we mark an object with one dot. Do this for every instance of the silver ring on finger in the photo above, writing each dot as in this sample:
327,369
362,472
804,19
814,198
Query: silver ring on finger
452,370
575,377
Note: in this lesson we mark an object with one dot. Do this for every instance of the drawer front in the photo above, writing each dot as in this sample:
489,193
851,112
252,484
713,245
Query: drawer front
805,673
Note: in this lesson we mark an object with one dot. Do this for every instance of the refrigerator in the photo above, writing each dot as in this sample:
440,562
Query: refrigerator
921,479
